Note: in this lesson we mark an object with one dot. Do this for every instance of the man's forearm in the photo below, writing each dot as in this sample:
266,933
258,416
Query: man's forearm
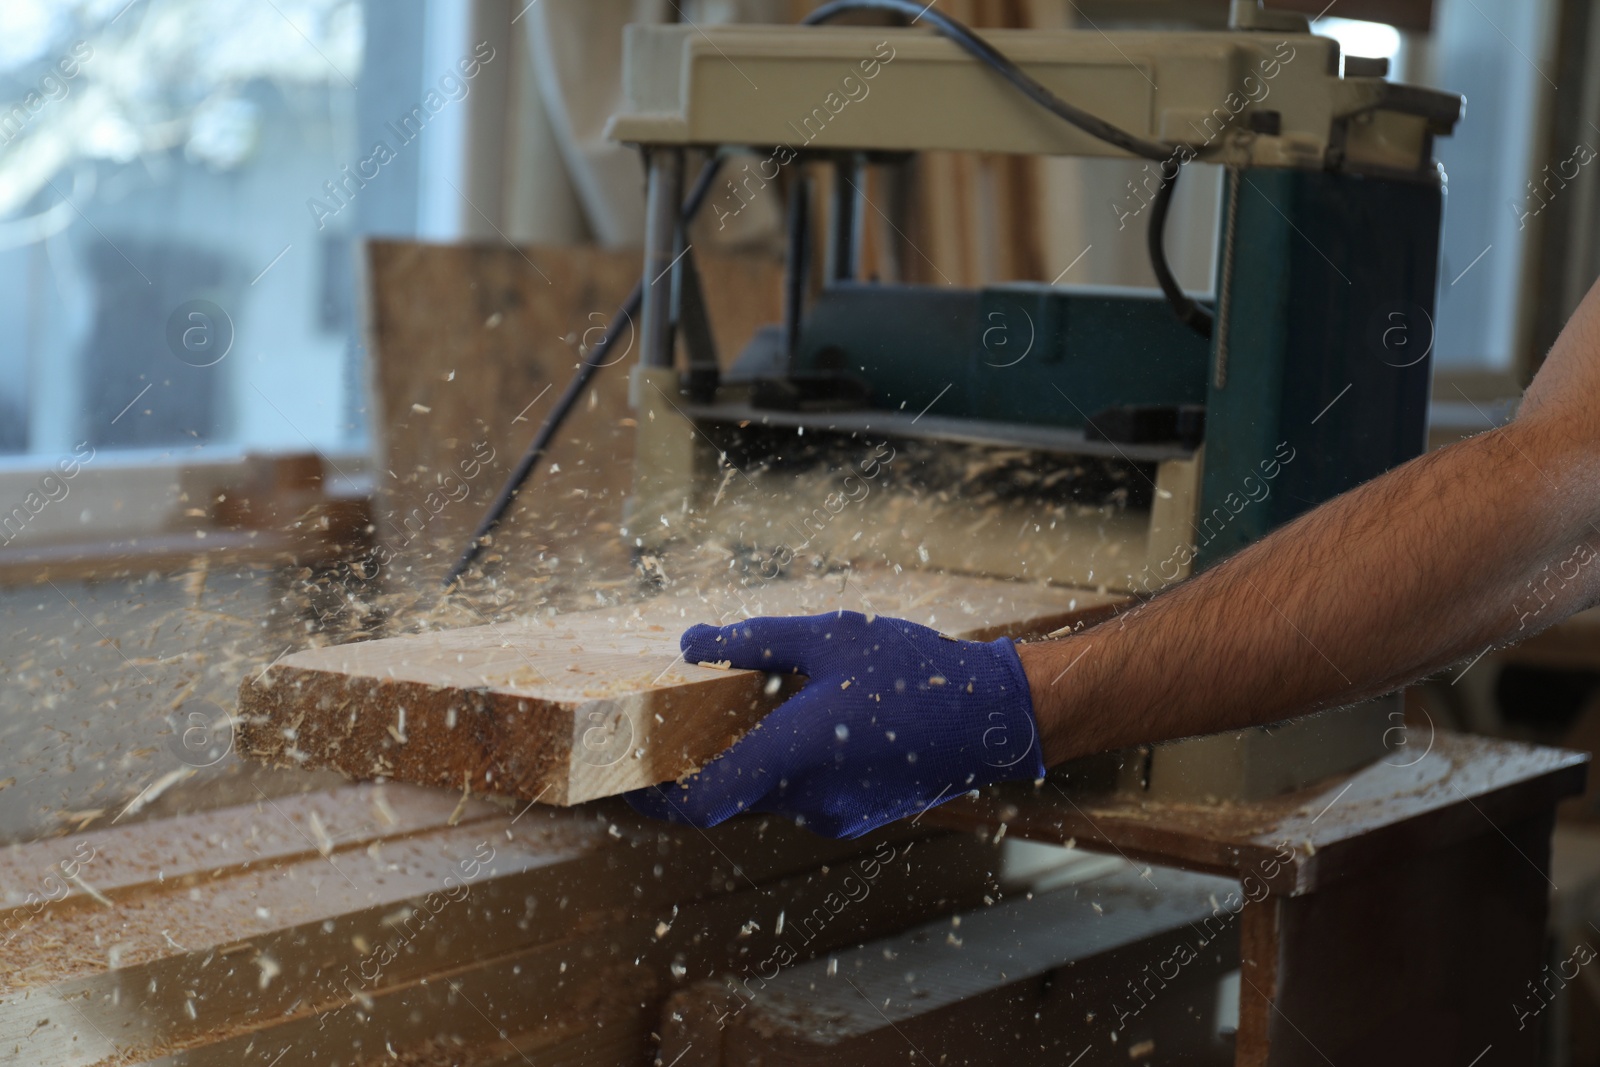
1427,565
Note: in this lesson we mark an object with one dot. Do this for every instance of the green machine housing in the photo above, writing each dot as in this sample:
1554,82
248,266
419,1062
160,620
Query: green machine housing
1321,354
1315,376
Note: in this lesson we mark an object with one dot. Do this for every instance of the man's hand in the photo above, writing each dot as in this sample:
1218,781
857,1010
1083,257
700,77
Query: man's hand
894,719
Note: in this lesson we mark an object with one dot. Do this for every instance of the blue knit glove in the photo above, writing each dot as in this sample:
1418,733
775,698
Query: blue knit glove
895,718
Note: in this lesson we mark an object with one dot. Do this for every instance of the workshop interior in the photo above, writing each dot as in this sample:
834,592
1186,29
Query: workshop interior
387,384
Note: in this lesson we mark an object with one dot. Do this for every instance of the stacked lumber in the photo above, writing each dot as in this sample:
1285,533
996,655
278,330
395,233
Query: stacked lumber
569,708
380,922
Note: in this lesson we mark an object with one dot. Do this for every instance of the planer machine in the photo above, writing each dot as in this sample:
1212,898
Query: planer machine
1090,437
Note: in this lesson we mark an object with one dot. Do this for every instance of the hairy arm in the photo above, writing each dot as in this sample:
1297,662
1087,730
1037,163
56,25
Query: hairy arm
1484,542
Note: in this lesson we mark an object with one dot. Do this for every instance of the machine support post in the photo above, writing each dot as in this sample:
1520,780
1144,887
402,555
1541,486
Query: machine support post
663,197
844,227
797,268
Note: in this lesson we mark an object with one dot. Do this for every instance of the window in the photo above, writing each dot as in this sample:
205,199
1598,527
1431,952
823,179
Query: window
163,283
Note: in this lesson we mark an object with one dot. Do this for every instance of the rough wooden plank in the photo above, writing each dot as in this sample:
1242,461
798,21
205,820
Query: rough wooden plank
1373,817
116,860
586,705
895,884
565,1002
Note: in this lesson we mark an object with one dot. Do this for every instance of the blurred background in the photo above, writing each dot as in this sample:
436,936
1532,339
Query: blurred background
188,154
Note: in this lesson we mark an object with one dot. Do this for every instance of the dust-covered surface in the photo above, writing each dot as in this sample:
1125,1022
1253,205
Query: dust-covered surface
794,499
162,897
536,919
120,694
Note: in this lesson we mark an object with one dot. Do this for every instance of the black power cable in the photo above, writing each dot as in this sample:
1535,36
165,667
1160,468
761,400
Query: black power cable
1192,314
591,365
990,57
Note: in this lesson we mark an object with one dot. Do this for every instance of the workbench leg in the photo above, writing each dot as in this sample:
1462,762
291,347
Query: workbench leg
1424,960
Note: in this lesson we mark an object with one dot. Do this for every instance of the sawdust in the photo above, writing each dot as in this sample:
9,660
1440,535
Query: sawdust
147,649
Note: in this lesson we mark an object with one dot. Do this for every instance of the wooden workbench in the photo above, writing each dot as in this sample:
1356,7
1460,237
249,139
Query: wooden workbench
1398,914
1391,916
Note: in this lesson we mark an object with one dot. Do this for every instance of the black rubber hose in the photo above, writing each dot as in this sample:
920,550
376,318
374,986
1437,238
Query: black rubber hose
586,371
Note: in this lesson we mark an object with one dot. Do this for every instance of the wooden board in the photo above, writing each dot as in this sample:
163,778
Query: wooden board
591,704
1351,824
122,859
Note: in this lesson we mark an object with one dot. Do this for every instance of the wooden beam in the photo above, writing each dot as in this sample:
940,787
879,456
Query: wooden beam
595,995
591,704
